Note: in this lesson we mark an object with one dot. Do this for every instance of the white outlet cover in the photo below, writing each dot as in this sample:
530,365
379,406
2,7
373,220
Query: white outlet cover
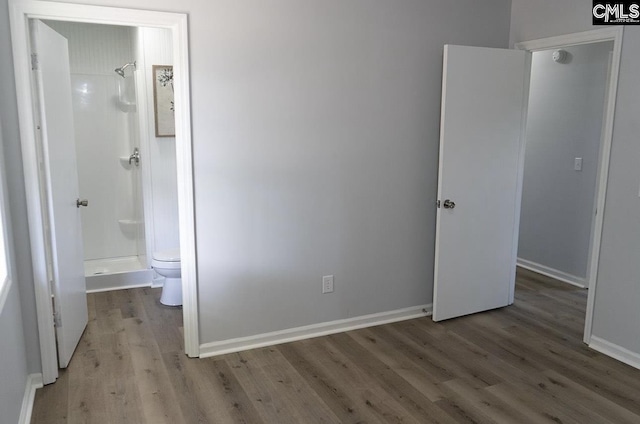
577,164
327,284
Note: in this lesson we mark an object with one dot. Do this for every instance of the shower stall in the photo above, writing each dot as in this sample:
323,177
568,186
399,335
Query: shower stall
113,229
107,147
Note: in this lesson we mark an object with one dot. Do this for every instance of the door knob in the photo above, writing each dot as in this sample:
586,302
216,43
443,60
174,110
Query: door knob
449,204
135,157
83,202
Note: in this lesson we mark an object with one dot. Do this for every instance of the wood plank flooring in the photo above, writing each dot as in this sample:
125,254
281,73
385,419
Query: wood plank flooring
521,364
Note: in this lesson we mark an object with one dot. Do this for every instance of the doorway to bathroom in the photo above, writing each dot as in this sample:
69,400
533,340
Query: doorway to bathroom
116,131
126,172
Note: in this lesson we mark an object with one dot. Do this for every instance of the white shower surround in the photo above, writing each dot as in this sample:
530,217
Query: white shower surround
104,133
107,131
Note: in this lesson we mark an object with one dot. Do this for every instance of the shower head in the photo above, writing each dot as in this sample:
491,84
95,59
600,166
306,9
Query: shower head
120,70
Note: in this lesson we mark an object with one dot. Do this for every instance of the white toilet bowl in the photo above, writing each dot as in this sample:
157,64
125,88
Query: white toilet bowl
167,264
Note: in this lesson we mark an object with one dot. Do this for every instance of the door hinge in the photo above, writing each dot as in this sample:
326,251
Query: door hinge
57,322
34,61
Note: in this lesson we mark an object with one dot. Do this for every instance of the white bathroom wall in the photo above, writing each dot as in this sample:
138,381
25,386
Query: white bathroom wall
159,154
106,129
566,106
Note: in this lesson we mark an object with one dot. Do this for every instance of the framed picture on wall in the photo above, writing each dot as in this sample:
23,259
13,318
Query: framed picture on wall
163,101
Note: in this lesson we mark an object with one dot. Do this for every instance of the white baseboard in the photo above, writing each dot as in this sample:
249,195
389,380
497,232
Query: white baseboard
615,351
310,331
34,381
553,273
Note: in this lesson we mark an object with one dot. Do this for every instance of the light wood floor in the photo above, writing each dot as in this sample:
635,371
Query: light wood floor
521,364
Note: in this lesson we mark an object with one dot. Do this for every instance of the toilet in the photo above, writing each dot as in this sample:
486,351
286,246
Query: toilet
167,264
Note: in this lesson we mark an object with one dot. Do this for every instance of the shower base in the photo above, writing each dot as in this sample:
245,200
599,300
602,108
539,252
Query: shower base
116,274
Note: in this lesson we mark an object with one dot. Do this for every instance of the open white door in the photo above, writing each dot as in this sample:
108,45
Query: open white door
51,67
484,94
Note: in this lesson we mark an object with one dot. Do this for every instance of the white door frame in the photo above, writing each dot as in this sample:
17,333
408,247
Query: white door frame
20,12
588,37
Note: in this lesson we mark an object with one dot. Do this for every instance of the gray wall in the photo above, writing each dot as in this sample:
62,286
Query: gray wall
566,105
18,358
13,372
15,191
617,315
315,132
316,147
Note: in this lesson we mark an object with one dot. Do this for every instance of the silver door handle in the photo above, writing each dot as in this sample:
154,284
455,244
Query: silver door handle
449,204
135,157
83,202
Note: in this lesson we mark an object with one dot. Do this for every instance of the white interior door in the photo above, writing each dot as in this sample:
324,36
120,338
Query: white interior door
484,94
58,146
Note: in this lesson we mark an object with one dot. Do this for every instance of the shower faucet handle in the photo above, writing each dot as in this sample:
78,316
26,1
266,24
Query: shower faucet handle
83,202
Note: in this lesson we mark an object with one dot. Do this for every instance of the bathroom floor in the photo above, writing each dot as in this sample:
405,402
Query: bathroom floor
521,364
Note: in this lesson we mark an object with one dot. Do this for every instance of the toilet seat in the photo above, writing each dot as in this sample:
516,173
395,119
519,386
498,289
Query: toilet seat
166,259
165,264
170,255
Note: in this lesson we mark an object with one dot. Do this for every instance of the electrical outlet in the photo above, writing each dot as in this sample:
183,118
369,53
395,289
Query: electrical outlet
577,164
327,284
